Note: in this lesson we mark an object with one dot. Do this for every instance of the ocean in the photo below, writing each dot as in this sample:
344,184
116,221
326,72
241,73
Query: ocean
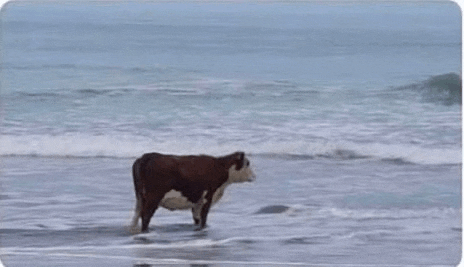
350,113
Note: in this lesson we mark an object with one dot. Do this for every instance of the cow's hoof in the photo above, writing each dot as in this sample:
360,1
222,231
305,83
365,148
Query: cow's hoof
200,228
134,230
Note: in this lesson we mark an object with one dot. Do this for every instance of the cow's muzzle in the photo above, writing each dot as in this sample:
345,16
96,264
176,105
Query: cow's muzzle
252,176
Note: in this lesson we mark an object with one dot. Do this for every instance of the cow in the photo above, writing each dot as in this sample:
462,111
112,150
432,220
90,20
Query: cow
184,182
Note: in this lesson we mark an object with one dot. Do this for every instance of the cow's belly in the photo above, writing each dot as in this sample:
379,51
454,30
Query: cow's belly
174,200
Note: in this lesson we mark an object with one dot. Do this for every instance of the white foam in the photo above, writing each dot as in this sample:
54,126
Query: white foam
59,224
411,153
407,153
196,243
366,214
127,145
86,145
149,261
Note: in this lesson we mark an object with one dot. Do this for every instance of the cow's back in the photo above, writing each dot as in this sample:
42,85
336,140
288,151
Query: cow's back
200,169
157,170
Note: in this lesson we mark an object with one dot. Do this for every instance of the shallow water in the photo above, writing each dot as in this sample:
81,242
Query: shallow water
76,211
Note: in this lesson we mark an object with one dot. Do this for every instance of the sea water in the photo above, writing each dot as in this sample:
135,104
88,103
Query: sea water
350,114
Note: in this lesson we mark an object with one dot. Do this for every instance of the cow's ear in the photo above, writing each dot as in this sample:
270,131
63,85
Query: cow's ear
240,155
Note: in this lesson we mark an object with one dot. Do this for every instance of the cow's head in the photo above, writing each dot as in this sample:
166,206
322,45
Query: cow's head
240,171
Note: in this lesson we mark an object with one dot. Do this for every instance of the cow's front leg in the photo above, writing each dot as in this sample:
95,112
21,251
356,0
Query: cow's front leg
204,210
196,212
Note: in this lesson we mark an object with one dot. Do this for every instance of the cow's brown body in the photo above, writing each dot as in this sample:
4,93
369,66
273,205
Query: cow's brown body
184,182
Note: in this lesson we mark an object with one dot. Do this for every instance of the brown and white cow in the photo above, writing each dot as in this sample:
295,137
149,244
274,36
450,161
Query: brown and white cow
184,182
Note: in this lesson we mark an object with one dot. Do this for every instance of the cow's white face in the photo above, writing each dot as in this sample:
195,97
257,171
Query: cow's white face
245,174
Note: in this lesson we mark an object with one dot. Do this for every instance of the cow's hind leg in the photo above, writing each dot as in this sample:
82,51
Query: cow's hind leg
148,209
197,208
146,217
196,214
204,209
135,219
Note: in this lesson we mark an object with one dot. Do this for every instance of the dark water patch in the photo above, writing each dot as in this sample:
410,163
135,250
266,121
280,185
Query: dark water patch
36,96
301,92
297,157
338,154
78,67
311,240
423,200
93,91
42,67
273,209
40,225
445,89
172,91
139,70
247,241
397,161
271,85
283,156
60,94
148,240
96,92
175,228
176,232
44,236
342,154
67,67
26,204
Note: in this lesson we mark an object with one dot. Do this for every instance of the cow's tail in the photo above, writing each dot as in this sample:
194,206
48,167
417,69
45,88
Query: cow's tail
138,186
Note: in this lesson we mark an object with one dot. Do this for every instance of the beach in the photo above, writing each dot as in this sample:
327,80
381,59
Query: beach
350,114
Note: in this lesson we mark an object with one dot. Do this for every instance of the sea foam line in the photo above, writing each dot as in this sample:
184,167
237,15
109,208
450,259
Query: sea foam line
142,260
172,261
128,146
180,244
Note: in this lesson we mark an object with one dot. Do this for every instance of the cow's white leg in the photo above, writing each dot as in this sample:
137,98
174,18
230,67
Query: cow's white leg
196,210
135,219
196,213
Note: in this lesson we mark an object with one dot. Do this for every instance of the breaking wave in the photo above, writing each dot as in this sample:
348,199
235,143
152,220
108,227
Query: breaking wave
141,129
128,146
443,89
